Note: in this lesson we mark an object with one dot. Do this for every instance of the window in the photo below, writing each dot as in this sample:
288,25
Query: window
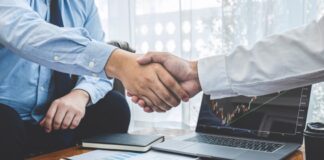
193,29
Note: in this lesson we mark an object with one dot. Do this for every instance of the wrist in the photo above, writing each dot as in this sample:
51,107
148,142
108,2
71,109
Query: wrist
120,64
194,73
193,69
83,94
117,60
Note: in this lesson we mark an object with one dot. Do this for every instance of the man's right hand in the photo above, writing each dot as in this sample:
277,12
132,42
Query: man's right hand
150,82
185,72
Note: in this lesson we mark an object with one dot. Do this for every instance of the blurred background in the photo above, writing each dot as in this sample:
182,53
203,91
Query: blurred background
194,29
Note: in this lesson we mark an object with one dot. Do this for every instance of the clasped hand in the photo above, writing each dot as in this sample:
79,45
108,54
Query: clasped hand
156,81
185,72
151,83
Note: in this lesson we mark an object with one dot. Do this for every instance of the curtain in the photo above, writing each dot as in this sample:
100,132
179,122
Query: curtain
193,29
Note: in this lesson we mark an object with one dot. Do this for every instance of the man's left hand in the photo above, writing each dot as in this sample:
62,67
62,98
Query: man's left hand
66,112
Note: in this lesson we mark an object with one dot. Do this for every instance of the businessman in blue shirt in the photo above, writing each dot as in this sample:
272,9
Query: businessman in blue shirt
27,90
33,41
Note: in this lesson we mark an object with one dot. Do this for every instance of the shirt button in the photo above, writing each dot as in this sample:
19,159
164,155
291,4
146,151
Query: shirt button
56,58
91,64
42,88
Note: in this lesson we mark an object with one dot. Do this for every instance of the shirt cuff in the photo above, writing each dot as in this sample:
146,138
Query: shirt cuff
213,77
94,58
94,93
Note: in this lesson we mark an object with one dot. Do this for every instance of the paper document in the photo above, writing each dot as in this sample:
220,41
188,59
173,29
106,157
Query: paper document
121,155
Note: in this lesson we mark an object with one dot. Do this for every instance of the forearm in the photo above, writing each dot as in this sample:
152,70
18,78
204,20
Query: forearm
279,62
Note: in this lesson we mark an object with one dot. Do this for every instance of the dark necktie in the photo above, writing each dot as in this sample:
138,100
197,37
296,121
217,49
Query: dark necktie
63,82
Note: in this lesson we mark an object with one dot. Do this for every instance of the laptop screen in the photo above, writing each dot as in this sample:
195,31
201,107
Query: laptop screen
279,116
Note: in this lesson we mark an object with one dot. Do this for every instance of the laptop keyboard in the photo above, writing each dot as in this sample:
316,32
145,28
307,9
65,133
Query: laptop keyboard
236,142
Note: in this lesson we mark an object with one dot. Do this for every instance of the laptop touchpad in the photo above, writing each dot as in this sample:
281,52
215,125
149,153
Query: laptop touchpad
214,151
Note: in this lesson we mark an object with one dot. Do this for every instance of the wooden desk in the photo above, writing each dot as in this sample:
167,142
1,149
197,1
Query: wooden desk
298,155
168,133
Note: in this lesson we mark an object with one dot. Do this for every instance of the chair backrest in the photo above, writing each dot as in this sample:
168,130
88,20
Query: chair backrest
119,87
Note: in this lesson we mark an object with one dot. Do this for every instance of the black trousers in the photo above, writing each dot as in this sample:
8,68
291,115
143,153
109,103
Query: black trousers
19,138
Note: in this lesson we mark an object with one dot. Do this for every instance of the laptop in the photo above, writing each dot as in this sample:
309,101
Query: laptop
264,127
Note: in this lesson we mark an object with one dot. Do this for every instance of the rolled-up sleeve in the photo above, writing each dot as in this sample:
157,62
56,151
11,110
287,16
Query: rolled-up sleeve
69,50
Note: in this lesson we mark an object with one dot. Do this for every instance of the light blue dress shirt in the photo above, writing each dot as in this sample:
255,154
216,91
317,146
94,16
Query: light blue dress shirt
27,40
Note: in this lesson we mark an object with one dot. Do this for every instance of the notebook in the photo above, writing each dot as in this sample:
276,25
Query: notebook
122,141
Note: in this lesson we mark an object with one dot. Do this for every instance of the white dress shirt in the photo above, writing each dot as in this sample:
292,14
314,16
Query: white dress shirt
279,62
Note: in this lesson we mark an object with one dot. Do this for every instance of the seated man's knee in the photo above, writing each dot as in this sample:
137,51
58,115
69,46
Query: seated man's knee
119,100
119,107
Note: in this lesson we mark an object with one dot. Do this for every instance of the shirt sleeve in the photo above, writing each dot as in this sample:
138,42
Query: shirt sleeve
69,50
97,88
280,62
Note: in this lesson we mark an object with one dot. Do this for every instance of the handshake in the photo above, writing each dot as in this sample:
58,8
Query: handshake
156,81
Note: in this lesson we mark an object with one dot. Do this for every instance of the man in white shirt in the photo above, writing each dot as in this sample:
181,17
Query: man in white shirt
279,62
